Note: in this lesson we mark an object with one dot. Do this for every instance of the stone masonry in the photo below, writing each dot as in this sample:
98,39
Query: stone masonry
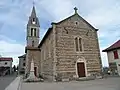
59,43
66,45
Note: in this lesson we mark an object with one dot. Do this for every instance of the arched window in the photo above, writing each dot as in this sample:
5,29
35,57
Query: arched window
31,31
35,32
32,43
76,44
33,21
80,44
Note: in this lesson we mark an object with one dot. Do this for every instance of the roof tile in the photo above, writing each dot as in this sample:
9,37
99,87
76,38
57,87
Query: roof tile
116,45
6,59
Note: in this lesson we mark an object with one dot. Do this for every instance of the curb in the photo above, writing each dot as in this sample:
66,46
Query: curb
20,81
15,85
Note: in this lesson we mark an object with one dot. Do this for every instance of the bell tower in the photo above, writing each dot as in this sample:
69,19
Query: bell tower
32,42
33,30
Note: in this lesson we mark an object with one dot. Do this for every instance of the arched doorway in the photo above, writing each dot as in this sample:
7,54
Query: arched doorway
81,70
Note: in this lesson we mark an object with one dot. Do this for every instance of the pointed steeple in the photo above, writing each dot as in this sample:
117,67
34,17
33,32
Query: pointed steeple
33,14
33,29
33,20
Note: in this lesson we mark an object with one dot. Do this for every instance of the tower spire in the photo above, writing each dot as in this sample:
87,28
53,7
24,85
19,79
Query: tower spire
33,10
33,29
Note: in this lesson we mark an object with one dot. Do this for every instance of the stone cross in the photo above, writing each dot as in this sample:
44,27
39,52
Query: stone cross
75,10
32,77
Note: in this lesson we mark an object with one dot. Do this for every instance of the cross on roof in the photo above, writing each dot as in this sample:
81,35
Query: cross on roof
75,10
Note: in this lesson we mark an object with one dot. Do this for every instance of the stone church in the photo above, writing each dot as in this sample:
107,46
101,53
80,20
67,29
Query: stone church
68,50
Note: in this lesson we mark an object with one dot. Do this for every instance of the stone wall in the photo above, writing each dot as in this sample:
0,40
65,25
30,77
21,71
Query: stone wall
35,55
66,54
47,57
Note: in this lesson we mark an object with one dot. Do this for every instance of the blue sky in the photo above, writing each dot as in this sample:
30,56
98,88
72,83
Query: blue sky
102,14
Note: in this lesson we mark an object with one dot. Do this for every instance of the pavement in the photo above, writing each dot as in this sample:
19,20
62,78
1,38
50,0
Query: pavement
15,85
112,83
5,81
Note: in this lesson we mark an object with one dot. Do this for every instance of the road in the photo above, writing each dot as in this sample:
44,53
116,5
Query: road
5,81
101,84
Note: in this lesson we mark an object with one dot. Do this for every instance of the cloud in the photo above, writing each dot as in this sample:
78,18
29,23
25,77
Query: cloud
55,9
11,48
109,16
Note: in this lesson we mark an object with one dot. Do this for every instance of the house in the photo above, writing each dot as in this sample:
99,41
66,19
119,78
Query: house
5,65
113,54
21,66
68,50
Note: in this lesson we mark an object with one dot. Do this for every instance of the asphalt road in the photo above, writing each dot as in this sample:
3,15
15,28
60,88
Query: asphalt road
100,84
5,81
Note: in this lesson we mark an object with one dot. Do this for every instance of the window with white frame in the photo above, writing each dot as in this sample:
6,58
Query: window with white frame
78,44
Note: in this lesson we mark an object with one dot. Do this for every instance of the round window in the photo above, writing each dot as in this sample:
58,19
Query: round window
76,22
5,63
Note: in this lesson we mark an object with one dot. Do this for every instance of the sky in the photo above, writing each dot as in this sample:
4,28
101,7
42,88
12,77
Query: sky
14,14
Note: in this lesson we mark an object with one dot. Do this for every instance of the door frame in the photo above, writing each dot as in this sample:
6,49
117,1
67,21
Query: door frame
81,60
36,71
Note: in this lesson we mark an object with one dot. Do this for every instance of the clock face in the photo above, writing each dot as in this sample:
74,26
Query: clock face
33,22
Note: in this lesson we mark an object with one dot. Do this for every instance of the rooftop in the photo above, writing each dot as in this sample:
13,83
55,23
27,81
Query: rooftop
22,56
6,59
114,46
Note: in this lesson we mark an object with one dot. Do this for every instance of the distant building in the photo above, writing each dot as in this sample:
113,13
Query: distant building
113,53
5,65
21,67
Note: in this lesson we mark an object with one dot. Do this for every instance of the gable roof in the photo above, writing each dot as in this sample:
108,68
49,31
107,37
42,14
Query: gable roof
50,29
79,17
45,36
22,56
114,46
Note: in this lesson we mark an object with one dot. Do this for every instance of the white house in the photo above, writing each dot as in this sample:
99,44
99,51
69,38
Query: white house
113,53
21,67
5,65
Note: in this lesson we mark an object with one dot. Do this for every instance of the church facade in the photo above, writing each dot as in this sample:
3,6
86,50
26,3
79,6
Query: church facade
68,50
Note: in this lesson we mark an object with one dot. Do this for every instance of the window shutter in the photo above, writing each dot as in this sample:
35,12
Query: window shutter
115,54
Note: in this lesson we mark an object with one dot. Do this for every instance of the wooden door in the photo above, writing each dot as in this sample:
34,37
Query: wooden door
81,69
35,71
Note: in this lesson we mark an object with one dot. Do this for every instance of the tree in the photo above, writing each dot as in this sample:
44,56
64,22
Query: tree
14,68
